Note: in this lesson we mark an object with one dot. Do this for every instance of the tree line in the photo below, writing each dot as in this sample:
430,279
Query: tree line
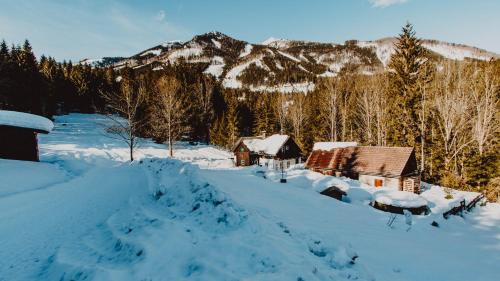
46,87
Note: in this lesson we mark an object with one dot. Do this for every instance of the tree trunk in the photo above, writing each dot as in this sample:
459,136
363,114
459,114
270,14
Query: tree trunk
131,150
170,148
422,135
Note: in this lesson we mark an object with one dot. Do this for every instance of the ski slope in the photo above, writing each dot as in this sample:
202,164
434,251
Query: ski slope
86,213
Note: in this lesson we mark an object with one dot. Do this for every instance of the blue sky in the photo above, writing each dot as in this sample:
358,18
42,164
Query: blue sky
79,29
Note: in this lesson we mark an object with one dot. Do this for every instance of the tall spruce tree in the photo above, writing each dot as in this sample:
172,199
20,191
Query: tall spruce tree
264,118
405,75
4,75
232,121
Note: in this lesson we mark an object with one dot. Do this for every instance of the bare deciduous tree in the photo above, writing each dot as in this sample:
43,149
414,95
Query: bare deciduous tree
297,116
204,94
484,89
381,106
371,110
169,112
366,113
126,103
331,104
281,108
451,107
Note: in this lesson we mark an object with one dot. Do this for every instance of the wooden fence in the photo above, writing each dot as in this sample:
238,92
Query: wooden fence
458,210
473,203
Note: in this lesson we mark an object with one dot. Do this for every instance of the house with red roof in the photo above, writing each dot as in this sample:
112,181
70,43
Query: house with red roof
393,167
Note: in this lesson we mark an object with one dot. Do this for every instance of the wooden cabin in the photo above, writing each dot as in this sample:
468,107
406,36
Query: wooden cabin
274,152
18,134
393,167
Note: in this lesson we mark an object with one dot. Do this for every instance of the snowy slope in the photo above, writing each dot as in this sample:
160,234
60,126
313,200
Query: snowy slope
384,48
91,215
229,59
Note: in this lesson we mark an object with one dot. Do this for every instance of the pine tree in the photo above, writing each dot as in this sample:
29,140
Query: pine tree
5,80
4,52
405,65
217,135
232,122
27,58
264,118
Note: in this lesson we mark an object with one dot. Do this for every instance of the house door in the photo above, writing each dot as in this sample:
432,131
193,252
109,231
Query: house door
379,183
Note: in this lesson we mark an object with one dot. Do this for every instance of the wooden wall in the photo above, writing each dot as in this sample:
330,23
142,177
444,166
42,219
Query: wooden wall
18,144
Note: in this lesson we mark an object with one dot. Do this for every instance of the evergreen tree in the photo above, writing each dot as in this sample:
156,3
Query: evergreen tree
406,65
232,122
5,72
264,115
217,135
4,52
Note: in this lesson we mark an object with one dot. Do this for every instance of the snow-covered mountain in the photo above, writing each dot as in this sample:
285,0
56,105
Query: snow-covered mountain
272,64
384,48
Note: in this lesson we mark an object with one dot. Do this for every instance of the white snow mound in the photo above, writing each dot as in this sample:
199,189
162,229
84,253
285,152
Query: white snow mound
25,120
399,198
332,145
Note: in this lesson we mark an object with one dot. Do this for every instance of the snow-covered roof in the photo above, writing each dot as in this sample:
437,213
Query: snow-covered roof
25,120
399,198
270,145
332,145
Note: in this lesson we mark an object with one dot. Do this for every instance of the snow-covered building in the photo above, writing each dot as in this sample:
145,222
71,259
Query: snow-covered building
394,167
275,152
18,134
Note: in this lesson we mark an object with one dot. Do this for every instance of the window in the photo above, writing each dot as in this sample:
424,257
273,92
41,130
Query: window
242,161
242,149
379,182
409,185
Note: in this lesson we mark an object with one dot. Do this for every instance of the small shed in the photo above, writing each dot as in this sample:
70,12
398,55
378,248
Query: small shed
18,134
334,192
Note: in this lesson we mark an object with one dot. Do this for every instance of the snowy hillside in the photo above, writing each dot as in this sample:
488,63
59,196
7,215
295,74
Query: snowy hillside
384,48
266,66
85,213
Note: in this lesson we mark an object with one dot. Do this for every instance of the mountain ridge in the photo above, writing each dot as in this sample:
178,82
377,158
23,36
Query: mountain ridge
281,64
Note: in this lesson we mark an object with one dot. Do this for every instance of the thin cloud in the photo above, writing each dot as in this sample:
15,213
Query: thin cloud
160,16
386,3
124,21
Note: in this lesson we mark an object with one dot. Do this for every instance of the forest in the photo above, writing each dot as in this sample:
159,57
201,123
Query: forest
447,110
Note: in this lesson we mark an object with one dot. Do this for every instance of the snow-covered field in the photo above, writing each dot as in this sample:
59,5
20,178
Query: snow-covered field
85,213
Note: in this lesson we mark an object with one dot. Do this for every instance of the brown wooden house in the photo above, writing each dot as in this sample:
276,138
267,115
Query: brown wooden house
18,134
275,152
394,167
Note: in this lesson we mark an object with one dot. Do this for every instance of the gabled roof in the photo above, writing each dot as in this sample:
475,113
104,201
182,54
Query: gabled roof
368,160
322,159
25,120
269,146
240,140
